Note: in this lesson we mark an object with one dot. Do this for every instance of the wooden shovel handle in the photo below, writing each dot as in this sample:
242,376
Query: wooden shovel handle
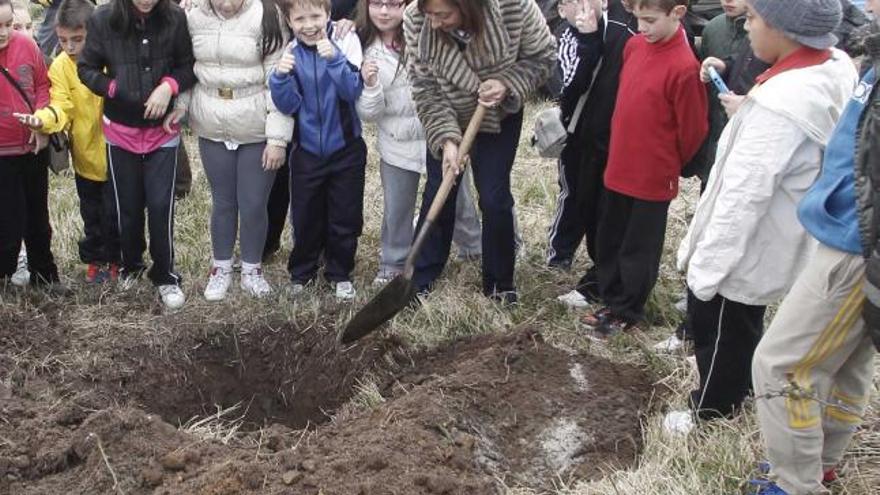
463,149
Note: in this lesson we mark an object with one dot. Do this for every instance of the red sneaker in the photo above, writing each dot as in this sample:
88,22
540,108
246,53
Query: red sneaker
113,272
93,273
829,476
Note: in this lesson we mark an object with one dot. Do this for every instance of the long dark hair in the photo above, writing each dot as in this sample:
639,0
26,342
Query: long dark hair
273,37
473,19
124,16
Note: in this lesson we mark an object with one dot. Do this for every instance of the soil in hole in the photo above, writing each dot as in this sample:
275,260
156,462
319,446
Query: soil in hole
289,378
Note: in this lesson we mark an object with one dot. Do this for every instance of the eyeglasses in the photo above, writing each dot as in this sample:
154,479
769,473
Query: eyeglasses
392,5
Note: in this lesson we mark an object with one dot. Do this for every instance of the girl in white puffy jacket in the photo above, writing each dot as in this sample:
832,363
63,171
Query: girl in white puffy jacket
387,100
242,137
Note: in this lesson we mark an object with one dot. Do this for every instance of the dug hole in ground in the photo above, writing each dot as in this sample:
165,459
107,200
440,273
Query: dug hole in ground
471,416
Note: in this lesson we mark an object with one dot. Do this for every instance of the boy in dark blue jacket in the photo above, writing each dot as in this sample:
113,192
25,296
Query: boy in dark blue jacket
318,81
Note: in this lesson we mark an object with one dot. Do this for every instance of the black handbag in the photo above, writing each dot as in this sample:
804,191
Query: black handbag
59,142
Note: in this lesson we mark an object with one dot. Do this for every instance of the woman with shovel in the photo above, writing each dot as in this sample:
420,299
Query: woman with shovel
462,53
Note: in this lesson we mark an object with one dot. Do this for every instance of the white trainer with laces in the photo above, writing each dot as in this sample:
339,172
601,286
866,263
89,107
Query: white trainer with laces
219,281
254,284
172,296
671,345
573,299
678,423
345,291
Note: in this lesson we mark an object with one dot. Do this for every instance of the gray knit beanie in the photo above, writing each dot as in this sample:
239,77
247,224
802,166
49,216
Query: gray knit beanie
809,22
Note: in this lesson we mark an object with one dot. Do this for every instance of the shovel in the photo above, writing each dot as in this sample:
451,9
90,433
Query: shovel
398,293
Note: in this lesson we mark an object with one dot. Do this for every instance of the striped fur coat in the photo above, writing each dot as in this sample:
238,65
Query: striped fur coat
517,48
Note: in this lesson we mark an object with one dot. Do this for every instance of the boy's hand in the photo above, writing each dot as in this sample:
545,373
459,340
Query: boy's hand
451,161
341,28
731,103
587,19
287,62
370,71
719,65
157,103
172,120
273,157
491,92
325,48
29,120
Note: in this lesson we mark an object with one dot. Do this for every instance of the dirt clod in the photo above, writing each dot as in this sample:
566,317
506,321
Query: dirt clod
173,461
291,477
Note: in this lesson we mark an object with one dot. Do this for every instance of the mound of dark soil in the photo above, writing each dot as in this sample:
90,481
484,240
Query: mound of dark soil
465,418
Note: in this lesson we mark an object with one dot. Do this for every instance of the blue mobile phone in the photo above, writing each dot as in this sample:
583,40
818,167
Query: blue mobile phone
716,79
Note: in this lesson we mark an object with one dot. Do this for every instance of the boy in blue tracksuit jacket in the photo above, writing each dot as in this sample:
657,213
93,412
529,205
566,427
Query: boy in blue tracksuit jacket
318,81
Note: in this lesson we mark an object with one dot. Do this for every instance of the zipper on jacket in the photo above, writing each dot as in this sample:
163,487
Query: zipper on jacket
320,114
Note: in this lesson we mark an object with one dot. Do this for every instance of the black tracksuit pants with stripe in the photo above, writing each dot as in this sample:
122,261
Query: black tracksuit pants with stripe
145,182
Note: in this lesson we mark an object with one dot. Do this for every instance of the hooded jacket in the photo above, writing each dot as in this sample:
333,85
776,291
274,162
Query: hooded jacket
745,241
231,101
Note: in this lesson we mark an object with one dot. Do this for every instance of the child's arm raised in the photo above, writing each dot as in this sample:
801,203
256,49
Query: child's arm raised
285,92
580,48
279,127
371,104
343,64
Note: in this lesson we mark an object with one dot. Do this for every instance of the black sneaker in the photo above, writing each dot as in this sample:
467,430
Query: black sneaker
613,325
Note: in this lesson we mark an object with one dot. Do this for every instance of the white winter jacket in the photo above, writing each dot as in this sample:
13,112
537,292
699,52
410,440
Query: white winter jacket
231,102
745,241
401,136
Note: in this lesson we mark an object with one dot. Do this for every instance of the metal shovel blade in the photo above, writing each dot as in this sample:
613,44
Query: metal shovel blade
395,296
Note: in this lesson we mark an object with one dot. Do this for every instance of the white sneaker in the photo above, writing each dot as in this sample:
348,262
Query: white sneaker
254,284
219,281
345,291
21,277
671,345
678,423
381,281
296,289
172,296
573,299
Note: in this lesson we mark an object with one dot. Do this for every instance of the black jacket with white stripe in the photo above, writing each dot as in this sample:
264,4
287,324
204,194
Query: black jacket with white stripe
580,56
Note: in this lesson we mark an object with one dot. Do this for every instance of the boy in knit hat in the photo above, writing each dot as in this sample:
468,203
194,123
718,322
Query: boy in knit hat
744,247
820,342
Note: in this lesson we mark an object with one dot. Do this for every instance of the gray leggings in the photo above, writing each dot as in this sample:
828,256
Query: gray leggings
400,188
239,187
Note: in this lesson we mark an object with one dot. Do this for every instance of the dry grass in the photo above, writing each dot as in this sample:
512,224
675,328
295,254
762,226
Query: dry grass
718,459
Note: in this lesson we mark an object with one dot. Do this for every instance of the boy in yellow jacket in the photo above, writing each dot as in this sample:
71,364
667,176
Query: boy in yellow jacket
74,108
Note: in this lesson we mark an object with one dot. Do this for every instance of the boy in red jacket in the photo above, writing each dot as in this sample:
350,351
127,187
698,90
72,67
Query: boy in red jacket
24,181
659,123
